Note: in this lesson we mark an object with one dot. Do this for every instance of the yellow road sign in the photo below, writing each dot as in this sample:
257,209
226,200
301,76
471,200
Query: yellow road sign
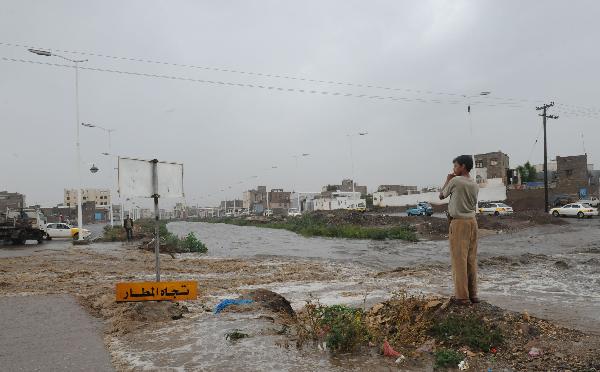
157,291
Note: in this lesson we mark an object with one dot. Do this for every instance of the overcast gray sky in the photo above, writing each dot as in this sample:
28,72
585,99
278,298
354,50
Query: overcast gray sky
523,52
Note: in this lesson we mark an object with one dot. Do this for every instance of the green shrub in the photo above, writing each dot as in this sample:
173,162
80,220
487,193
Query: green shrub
343,328
310,225
447,358
191,244
468,330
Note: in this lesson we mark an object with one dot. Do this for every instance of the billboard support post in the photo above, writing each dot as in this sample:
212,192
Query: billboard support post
156,217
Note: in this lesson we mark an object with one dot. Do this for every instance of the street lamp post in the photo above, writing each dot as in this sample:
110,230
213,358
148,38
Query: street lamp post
352,155
46,53
108,132
468,98
297,157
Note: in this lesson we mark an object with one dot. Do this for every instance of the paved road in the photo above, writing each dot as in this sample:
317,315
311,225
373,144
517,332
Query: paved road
49,333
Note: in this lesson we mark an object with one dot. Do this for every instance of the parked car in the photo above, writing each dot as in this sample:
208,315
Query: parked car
593,201
358,207
563,199
293,212
63,230
495,209
268,212
580,210
422,209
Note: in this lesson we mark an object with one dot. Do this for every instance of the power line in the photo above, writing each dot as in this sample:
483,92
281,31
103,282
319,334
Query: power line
459,96
545,116
246,85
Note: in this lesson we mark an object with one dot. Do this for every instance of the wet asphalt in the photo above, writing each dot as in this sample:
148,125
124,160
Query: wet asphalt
49,333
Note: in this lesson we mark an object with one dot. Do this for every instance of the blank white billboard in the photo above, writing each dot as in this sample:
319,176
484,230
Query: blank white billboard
135,179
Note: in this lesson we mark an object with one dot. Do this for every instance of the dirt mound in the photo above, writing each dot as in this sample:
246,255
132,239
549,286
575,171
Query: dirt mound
125,317
271,301
484,334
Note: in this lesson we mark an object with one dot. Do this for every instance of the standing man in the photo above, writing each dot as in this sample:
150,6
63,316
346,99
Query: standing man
128,225
463,192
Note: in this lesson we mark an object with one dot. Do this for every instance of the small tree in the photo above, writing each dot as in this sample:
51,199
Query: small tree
527,172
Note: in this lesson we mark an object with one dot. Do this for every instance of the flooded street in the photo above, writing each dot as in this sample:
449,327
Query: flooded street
551,271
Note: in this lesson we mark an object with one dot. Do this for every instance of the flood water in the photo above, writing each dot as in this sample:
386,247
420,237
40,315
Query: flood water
552,271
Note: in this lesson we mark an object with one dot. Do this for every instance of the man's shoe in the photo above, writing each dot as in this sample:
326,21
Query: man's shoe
474,300
459,302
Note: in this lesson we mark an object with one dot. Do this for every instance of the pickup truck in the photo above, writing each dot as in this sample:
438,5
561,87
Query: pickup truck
592,200
19,226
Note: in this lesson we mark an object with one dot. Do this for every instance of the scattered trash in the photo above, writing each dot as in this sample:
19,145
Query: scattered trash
468,352
227,302
389,351
526,316
535,352
401,359
464,365
427,347
235,335
489,369
493,350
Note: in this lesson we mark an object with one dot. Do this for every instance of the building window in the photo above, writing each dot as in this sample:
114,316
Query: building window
494,162
479,164
569,172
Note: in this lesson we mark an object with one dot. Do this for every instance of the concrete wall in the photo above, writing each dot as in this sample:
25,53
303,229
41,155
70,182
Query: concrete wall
493,190
330,204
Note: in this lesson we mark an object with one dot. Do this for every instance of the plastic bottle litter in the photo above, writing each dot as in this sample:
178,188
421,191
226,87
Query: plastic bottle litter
535,352
400,359
463,365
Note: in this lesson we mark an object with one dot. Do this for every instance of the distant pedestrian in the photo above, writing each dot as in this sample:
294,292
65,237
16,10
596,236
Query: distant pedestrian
128,225
463,192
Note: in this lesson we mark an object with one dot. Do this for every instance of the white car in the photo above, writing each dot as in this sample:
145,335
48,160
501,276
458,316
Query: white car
293,212
268,212
593,201
579,210
496,209
63,230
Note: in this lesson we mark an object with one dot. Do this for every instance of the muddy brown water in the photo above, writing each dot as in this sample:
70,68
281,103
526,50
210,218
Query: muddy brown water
551,271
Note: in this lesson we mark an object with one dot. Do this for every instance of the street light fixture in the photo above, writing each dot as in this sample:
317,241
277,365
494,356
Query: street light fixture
47,53
108,131
352,154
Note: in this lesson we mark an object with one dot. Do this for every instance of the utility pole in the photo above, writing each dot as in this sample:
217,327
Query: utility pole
545,116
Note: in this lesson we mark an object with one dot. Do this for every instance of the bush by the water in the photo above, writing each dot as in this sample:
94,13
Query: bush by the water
471,331
312,225
145,229
447,358
343,328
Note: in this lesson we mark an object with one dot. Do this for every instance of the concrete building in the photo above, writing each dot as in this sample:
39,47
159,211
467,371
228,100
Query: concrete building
230,205
492,165
11,200
63,213
398,189
574,177
339,200
100,196
255,200
279,200
346,186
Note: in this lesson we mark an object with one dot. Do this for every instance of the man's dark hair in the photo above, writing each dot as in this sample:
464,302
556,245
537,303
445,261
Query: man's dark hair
466,160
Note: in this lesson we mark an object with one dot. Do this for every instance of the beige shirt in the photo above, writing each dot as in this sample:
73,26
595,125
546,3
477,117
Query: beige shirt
463,192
